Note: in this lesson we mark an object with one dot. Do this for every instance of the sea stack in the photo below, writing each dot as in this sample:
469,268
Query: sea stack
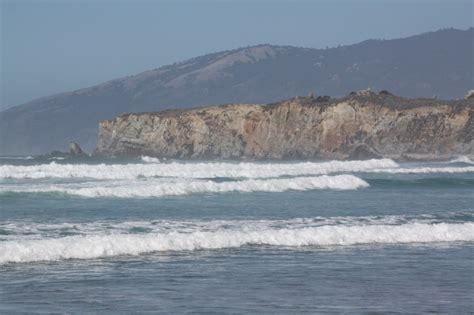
75,149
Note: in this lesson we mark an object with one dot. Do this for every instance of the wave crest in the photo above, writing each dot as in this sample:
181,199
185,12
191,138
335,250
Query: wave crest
89,247
424,170
150,188
462,159
149,159
190,170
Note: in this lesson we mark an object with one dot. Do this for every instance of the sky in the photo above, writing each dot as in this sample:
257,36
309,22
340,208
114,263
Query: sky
48,47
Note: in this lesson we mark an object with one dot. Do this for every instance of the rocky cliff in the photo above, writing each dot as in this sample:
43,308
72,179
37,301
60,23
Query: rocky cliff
361,125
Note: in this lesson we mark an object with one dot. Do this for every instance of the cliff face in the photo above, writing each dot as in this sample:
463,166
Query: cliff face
360,126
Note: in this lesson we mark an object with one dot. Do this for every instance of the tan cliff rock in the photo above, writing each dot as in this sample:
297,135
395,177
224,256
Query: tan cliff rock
362,125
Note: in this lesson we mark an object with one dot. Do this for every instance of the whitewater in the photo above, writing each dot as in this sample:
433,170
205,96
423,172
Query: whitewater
90,234
187,170
94,246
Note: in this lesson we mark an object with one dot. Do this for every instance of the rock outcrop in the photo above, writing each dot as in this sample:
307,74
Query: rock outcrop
75,149
362,125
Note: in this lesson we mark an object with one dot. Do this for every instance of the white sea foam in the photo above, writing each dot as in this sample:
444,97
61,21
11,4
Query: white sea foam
462,159
16,157
149,159
21,230
159,188
96,246
424,170
58,158
190,170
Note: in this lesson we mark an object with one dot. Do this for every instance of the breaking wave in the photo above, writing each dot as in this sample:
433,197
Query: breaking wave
97,246
152,167
428,182
424,170
190,170
160,188
462,159
149,159
20,230
16,157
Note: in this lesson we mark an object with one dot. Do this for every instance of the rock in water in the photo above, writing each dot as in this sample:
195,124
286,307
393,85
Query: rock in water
75,149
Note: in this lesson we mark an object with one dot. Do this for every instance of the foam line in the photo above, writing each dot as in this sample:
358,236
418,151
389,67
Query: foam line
190,170
149,159
160,188
462,159
89,247
16,157
17,230
424,170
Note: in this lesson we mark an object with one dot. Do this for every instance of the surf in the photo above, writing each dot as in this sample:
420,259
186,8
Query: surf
189,169
162,188
100,246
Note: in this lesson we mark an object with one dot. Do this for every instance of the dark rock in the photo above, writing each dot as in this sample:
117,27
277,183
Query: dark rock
322,99
57,153
75,149
364,152
385,92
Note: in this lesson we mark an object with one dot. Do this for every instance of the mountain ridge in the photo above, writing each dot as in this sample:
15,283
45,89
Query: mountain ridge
256,74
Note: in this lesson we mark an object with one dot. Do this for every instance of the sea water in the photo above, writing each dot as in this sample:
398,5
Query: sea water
145,234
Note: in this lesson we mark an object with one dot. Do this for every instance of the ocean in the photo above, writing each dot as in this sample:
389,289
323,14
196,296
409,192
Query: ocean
149,235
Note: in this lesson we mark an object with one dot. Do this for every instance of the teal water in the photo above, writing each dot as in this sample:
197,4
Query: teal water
143,235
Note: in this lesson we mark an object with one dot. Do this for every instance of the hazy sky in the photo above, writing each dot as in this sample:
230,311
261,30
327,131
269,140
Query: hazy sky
54,46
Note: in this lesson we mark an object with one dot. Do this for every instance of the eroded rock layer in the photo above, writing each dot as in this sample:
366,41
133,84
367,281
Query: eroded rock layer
362,125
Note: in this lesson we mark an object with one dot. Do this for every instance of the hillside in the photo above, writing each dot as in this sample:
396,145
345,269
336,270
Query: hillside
437,63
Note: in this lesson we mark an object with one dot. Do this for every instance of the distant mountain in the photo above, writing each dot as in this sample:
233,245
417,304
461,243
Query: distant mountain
432,64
